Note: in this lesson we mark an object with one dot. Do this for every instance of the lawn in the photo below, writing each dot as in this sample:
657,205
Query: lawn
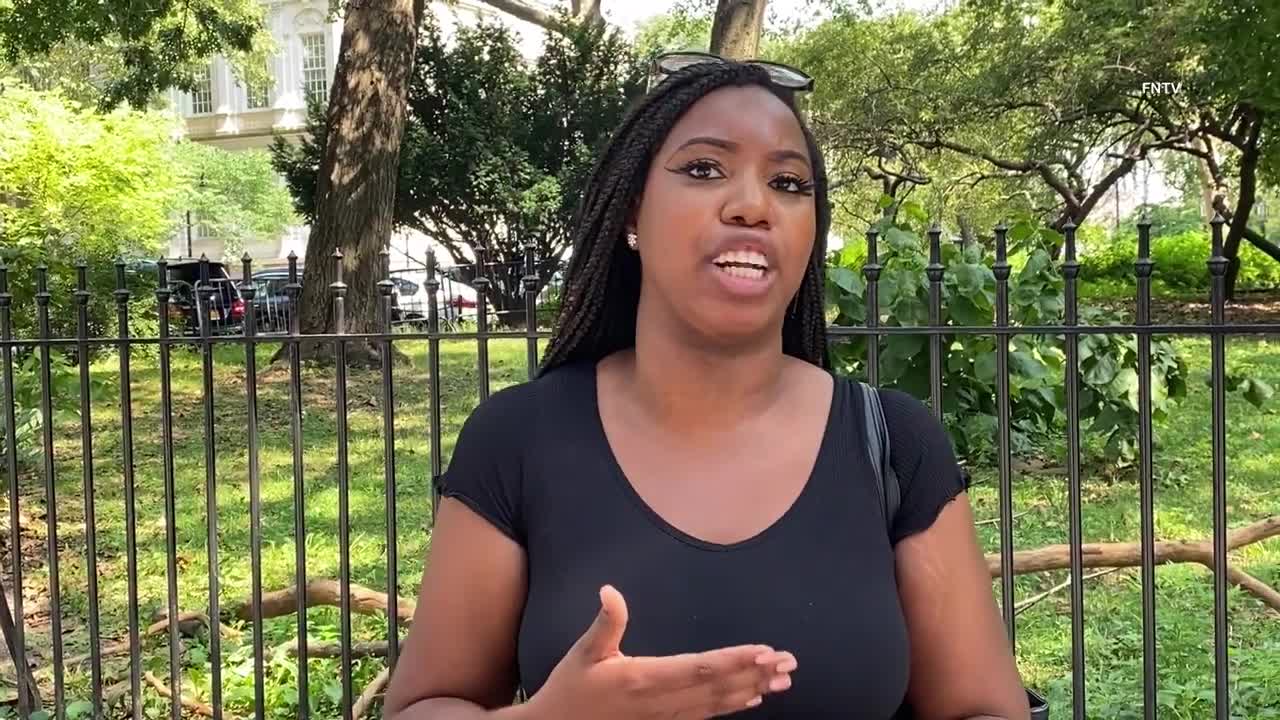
1113,608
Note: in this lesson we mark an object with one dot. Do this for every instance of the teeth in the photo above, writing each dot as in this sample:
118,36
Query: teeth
742,272
743,257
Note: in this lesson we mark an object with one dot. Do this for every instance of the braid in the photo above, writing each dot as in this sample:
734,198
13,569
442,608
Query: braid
602,288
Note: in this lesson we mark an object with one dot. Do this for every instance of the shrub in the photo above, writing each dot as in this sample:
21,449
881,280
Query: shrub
1108,363
1181,265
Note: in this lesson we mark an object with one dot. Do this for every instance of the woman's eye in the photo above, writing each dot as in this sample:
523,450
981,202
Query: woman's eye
702,170
792,184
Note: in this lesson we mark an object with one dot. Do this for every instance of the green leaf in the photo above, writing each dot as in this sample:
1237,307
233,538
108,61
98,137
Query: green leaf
914,212
969,279
965,312
902,241
1125,385
334,691
884,201
1103,370
985,368
844,278
1258,392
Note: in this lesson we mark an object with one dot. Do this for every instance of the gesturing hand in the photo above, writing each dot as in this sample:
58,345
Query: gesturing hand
595,680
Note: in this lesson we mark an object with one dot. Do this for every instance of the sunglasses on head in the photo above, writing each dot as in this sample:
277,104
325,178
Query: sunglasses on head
783,76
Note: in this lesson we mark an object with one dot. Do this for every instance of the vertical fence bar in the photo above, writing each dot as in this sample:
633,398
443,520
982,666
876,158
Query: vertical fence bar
433,373
210,489
255,483
531,307
935,270
294,291
90,508
28,697
482,322
1218,370
386,287
130,495
871,269
163,295
339,289
1001,270
1070,273
1146,480
50,496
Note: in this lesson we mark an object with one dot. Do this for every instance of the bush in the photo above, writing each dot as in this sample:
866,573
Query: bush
1108,363
1181,266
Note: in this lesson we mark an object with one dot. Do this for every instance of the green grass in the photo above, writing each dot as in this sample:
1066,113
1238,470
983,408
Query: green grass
1184,601
1113,607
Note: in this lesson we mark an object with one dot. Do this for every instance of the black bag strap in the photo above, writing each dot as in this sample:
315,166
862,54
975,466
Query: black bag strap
878,453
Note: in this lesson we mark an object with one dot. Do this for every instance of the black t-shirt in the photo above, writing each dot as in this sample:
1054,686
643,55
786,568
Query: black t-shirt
535,462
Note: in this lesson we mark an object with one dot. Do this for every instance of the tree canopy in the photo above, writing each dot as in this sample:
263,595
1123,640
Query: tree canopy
146,46
497,149
1047,104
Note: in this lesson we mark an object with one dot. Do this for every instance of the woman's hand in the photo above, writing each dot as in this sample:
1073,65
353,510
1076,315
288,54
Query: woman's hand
595,680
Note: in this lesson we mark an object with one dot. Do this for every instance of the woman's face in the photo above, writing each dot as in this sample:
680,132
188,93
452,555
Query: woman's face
727,219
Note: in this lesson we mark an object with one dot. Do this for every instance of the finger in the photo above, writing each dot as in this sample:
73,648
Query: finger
780,660
676,672
720,696
603,638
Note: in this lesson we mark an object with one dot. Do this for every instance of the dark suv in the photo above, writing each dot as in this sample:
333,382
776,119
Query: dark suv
192,306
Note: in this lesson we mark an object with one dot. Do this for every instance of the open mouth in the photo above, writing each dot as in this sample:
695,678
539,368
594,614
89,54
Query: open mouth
749,272
743,264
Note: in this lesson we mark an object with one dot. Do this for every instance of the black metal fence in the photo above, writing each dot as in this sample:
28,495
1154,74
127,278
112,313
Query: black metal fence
53,696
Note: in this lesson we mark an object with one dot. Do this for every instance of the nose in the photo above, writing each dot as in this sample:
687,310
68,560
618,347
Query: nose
747,204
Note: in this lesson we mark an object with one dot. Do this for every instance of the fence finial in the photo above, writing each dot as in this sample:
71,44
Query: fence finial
122,288
82,282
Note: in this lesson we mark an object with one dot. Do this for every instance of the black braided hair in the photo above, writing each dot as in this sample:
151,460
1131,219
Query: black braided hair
602,284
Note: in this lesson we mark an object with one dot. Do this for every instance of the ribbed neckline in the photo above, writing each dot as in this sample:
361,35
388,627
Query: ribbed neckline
825,448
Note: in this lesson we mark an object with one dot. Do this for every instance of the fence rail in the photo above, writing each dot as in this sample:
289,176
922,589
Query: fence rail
31,695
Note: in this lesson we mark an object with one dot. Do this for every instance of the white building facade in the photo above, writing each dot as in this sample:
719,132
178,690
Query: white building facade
223,112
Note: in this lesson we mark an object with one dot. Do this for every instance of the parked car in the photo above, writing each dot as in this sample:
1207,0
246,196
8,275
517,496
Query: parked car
271,300
192,306
272,309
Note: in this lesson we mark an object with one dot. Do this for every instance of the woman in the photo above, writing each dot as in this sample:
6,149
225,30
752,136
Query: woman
677,519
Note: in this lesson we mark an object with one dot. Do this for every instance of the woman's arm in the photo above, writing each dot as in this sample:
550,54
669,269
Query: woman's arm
458,661
962,667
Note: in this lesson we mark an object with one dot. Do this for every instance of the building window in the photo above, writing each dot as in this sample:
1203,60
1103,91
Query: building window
259,96
315,73
202,94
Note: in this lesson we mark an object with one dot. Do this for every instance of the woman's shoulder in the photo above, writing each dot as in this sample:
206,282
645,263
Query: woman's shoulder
524,405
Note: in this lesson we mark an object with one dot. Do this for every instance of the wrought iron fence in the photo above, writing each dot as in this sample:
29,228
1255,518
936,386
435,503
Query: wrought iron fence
250,338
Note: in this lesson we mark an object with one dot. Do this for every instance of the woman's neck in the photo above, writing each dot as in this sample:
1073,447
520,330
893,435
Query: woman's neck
693,388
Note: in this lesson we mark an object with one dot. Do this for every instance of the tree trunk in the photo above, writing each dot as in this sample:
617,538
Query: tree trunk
1245,196
356,186
735,31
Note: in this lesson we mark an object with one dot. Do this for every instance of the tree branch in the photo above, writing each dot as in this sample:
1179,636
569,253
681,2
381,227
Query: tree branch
1106,555
585,11
371,693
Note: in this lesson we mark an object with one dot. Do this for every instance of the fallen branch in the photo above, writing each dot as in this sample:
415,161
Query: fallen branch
996,520
155,628
1060,587
1113,555
370,694
334,650
198,708
365,601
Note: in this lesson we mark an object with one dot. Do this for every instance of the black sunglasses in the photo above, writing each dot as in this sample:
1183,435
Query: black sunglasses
783,76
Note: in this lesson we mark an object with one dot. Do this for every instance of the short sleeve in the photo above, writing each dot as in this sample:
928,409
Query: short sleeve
924,459
485,471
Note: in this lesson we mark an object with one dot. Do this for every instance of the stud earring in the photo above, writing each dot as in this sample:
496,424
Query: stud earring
631,240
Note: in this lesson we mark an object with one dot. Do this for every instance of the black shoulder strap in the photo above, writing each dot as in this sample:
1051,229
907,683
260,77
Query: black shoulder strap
878,452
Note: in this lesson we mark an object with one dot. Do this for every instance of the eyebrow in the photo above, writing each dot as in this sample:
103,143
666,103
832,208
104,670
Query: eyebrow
729,145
